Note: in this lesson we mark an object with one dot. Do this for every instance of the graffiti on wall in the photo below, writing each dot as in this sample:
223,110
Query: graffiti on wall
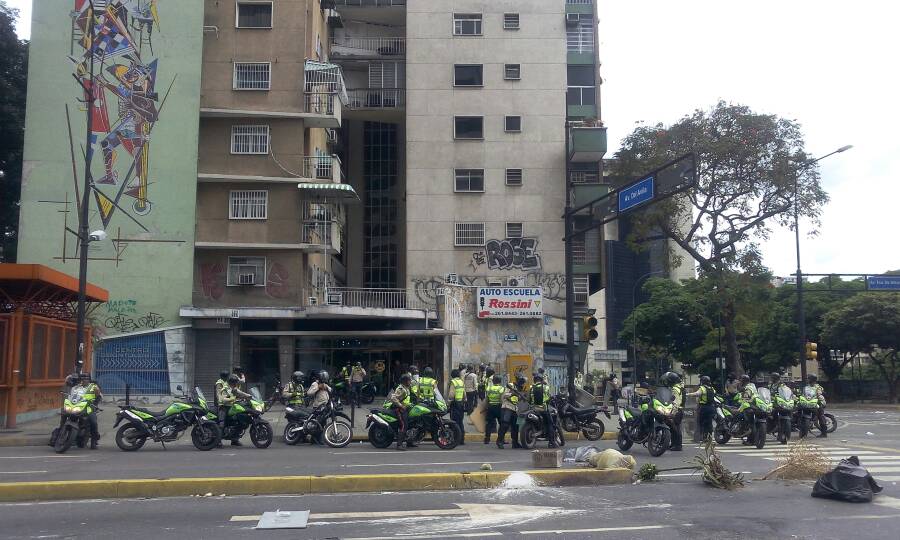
213,281
508,254
123,99
124,323
553,285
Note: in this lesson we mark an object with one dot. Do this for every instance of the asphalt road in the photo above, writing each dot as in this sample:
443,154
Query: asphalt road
667,509
879,451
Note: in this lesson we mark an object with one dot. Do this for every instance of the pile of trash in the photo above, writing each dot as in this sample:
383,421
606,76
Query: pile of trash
600,459
849,481
803,461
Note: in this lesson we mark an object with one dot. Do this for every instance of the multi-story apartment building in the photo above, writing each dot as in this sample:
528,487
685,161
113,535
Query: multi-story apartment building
319,170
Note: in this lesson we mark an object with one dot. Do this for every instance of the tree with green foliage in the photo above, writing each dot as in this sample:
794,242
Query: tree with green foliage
869,323
13,81
747,164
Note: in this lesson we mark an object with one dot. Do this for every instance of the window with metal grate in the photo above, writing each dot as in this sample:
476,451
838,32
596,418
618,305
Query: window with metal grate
250,139
515,230
512,72
248,204
252,76
469,234
513,177
510,21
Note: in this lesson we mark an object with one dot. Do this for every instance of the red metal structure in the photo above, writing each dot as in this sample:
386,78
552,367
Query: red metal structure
37,337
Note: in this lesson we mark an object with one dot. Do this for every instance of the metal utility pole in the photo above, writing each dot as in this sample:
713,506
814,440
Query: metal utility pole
83,234
801,311
570,286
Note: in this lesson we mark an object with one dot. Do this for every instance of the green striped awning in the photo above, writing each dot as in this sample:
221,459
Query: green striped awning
344,192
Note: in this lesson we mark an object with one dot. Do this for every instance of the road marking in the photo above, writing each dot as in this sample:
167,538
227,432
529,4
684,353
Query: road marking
693,474
46,457
428,536
875,457
406,464
889,502
869,447
607,529
368,515
781,448
390,451
22,472
888,479
883,469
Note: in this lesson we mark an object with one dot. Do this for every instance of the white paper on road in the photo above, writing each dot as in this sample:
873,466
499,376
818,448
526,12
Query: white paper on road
283,520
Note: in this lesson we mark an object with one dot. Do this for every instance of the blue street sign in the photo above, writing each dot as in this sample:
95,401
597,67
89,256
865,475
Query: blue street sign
635,194
883,283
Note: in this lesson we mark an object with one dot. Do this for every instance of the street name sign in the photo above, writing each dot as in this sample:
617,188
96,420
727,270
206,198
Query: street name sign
636,194
510,303
883,283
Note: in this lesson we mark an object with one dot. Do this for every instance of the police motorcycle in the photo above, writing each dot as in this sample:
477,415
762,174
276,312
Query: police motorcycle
424,416
806,413
168,425
758,409
243,415
75,427
318,425
532,429
779,422
650,424
584,420
728,421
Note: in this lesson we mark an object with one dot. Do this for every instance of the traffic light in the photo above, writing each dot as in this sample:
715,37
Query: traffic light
589,329
812,351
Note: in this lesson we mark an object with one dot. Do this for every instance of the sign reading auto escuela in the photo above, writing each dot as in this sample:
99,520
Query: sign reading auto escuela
510,303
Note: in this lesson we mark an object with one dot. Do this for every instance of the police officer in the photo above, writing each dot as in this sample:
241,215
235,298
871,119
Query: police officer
494,396
510,408
483,381
746,397
425,389
458,402
471,386
230,393
400,401
294,392
319,390
93,396
706,409
673,380
540,400
820,413
221,383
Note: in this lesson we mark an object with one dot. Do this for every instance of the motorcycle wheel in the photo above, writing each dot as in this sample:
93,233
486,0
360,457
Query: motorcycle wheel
659,442
206,436
292,438
593,431
560,437
804,427
261,434
129,438
623,442
338,434
81,440
568,424
721,434
367,395
759,437
784,431
380,436
527,437
64,439
830,423
445,436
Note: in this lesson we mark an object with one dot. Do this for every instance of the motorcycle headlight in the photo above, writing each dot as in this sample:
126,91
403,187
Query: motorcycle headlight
70,410
622,415
289,409
258,407
720,414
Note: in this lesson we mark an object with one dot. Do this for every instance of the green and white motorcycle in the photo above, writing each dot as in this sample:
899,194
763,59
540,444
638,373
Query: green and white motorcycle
168,425
74,427
424,417
247,415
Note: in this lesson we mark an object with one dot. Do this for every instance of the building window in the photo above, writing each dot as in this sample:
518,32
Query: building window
582,85
249,139
581,287
246,204
584,177
580,37
467,24
469,234
510,21
468,127
254,15
515,230
512,72
246,271
468,75
513,124
513,177
252,75
469,180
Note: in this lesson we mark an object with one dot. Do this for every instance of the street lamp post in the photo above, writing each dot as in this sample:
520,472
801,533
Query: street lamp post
634,322
801,313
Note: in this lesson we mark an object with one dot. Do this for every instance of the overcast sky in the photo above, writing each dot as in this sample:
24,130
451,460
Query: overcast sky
829,65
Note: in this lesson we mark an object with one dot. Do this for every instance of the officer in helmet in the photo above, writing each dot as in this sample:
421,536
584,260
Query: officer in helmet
319,390
229,395
673,381
294,392
706,409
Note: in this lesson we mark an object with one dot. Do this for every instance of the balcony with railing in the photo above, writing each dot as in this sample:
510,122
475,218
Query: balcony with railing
322,226
376,98
362,3
322,168
586,253
376,298
367,47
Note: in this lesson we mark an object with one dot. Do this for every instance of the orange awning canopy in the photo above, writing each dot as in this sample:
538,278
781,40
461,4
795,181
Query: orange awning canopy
39,283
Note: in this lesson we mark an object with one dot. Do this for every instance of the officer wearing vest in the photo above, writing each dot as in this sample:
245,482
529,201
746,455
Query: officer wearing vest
706,409
424,390
458,402
540,400
509,412
399,401
227,396
673,380
294,391
487,379
820,394
92,395
471,386
494,396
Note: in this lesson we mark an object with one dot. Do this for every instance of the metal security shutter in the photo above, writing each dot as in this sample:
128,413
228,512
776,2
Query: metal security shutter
212,354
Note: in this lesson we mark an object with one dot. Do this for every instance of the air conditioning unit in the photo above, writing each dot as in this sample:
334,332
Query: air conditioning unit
572,19
335,299
312,301
248,278
516,281
453,278
495,282
331,135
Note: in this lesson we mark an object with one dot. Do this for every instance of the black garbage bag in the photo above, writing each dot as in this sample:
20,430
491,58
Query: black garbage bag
847,482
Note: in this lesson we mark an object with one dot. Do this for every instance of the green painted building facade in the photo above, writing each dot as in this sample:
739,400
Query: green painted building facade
143,151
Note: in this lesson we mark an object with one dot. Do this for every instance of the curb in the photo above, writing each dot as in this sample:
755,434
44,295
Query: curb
298,485
479,437
24,440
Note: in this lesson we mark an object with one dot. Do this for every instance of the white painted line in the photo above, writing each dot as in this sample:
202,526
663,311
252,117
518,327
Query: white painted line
780,447
392,451
428,536
828,454
46,457
889,502
864,460
887,479
22,472
606,529
408,464
693,474
883,469
372,515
